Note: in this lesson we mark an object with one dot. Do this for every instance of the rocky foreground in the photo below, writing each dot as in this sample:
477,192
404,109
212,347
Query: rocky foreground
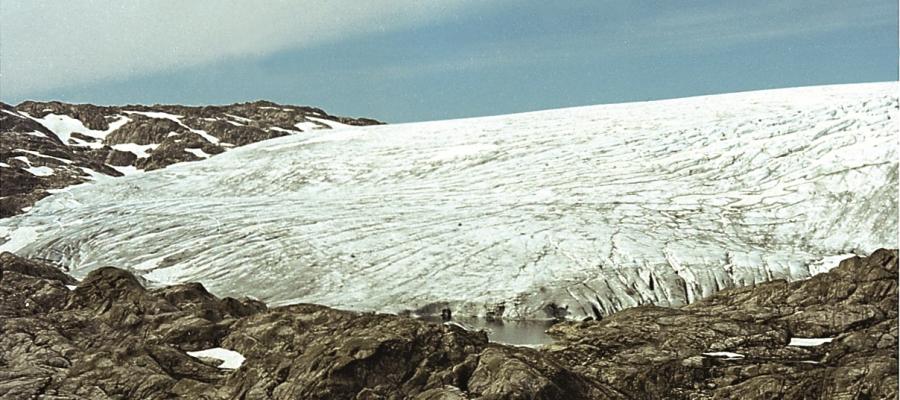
108,337
47,146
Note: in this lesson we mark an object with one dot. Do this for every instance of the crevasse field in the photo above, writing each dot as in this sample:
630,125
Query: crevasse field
580,211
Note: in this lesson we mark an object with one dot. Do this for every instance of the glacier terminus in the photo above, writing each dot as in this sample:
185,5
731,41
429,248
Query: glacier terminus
561,213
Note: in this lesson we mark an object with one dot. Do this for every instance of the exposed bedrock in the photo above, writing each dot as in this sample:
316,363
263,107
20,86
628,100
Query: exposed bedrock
830,337
48,146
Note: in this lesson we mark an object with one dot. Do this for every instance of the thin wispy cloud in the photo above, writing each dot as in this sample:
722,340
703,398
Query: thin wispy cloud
714,28
683,31
411,60
48,44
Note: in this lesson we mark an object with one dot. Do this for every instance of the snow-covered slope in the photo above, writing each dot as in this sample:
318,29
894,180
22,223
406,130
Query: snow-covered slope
588,209
47,146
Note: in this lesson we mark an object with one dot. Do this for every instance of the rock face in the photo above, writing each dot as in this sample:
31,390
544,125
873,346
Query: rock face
109,337
46,146
660,350
33,162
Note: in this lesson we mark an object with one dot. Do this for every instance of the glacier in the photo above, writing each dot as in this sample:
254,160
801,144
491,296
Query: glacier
562,213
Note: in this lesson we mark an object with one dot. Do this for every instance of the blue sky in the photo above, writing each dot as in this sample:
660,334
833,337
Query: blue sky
411,61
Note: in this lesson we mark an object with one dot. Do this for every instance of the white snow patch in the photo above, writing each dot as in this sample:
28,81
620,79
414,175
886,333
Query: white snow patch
239,118
94,174
42,155
115,125
177,118
5,165
126,170
35,133
280,129
230,358
809,342
63,126
140,150
465,327
530,346
724,354
40,171
13,114
197,152
36,171
157,115
73,141
71,287
307,126
209,138
331,124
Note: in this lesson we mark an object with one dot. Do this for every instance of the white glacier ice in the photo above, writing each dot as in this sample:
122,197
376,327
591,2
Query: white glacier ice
809,342
230,358
139,150
725,354
581,211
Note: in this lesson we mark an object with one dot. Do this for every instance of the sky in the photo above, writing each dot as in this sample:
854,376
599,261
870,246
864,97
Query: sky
407,60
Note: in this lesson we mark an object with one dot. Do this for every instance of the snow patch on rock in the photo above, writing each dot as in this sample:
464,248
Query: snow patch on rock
809,342
230,358
197,152
63,126
140,150
724,354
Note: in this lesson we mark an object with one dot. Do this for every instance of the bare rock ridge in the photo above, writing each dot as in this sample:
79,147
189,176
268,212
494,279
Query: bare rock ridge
50,145
833,336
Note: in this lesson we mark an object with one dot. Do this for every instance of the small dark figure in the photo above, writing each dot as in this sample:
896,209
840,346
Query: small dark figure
446,315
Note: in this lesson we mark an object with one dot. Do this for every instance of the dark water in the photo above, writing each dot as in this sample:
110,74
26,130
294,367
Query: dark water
506,332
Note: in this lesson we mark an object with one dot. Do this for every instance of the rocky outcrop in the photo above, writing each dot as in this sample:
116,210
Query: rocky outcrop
52,145
746,334
110,337
33,161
